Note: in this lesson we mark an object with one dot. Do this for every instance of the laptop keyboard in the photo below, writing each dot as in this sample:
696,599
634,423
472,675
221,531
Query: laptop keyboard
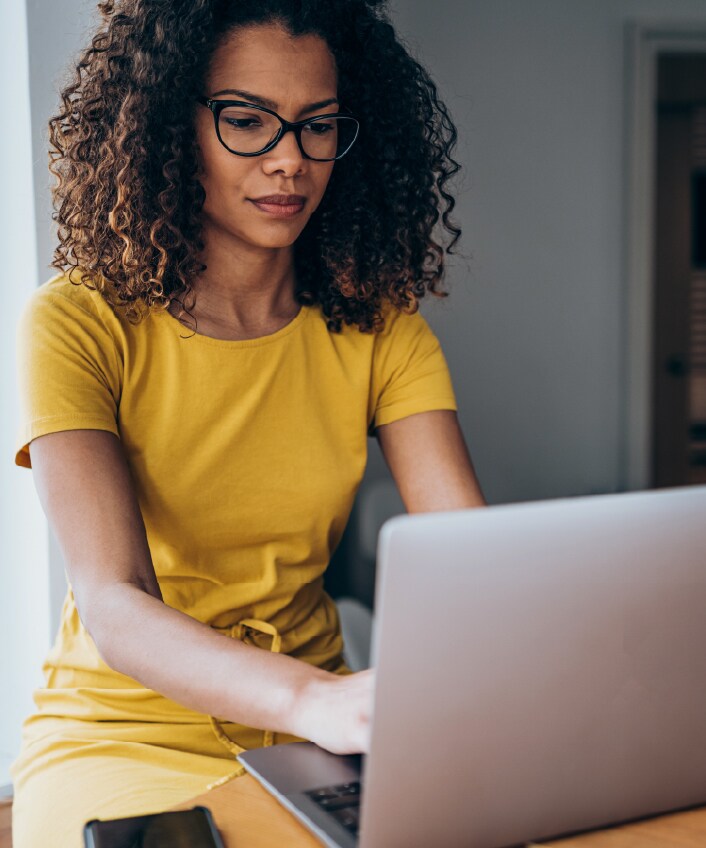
341,801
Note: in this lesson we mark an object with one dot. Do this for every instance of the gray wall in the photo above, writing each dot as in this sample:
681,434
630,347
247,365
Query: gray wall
57,30
534,329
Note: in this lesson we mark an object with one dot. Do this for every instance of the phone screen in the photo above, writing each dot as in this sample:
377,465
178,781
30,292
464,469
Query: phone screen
178,829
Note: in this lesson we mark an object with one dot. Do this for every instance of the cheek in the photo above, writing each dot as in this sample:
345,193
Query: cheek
322,177
224,178
219,170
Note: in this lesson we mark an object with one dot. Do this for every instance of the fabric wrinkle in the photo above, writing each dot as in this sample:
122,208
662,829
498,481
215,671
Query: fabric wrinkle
240,631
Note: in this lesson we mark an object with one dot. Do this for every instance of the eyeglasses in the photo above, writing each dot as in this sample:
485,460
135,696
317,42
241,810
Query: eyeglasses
249,130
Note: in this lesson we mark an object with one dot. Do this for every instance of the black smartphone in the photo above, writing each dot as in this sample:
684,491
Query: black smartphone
177,829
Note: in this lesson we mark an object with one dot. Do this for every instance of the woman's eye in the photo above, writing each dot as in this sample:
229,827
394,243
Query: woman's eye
319,128
242,123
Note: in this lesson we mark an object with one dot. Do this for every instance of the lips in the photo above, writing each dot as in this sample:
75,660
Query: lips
281,200
280,205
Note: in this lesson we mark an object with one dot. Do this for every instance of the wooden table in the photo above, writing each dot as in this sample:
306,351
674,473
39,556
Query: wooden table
249,817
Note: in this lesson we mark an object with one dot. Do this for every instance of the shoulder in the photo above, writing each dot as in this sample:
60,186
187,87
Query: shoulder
63,303
403,328
399,319
61,290
394,321
62,322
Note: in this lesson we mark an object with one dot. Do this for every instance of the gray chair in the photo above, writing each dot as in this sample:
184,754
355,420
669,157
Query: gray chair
377,501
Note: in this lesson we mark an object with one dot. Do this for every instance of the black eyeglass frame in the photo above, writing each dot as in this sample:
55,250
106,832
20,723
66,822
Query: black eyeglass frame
217,106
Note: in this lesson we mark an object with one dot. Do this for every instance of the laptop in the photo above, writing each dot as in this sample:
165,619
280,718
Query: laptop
541,671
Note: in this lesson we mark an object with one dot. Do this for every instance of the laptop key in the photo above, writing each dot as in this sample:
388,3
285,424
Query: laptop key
350,790
349,787
347,818
339,803
320,794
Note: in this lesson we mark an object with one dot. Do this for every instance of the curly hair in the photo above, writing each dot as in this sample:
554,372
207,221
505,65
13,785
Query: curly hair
127,198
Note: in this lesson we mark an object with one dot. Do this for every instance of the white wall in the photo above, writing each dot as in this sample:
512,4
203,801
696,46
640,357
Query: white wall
534,328
57,31
35,40
24,626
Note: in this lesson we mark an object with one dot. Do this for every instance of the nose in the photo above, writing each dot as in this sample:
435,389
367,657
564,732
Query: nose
285,157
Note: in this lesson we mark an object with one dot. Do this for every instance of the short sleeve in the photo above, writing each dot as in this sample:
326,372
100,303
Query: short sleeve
410,373
67,367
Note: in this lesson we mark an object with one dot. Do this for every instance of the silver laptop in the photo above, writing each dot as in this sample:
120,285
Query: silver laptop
541,670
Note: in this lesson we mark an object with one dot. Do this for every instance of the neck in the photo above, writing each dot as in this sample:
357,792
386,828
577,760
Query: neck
244,287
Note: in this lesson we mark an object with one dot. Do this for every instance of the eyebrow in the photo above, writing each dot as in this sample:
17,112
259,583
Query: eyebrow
270,104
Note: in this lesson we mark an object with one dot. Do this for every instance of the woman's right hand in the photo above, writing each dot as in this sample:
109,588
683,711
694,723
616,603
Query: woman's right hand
335,711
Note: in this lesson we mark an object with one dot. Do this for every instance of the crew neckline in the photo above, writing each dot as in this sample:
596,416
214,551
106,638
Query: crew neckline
201,339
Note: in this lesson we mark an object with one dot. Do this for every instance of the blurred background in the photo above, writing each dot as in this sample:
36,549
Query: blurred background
576,327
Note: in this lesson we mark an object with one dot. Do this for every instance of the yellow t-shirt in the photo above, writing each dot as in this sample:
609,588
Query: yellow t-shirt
246,457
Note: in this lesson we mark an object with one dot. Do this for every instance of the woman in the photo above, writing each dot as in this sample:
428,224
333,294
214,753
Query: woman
246,194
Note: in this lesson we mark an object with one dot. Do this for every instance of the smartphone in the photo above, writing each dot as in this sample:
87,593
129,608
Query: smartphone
177,829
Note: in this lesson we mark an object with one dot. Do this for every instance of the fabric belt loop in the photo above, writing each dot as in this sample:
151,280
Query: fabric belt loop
238,631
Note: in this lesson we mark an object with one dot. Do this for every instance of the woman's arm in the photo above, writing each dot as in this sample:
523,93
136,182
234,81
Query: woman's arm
87,493
429,461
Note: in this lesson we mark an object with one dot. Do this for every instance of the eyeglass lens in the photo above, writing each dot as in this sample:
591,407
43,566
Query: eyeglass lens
244,130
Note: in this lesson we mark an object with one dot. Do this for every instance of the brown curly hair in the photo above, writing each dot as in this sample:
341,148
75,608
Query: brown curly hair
127,197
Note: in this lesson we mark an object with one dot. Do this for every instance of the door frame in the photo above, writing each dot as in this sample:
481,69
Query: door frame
644,41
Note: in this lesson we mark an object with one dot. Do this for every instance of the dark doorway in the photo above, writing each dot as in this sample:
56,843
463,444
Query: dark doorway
679,364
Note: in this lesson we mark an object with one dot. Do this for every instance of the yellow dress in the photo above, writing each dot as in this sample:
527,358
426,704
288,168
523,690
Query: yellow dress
246,457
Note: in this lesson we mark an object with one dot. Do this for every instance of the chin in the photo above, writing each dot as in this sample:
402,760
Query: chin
263,234
274,241
272,234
